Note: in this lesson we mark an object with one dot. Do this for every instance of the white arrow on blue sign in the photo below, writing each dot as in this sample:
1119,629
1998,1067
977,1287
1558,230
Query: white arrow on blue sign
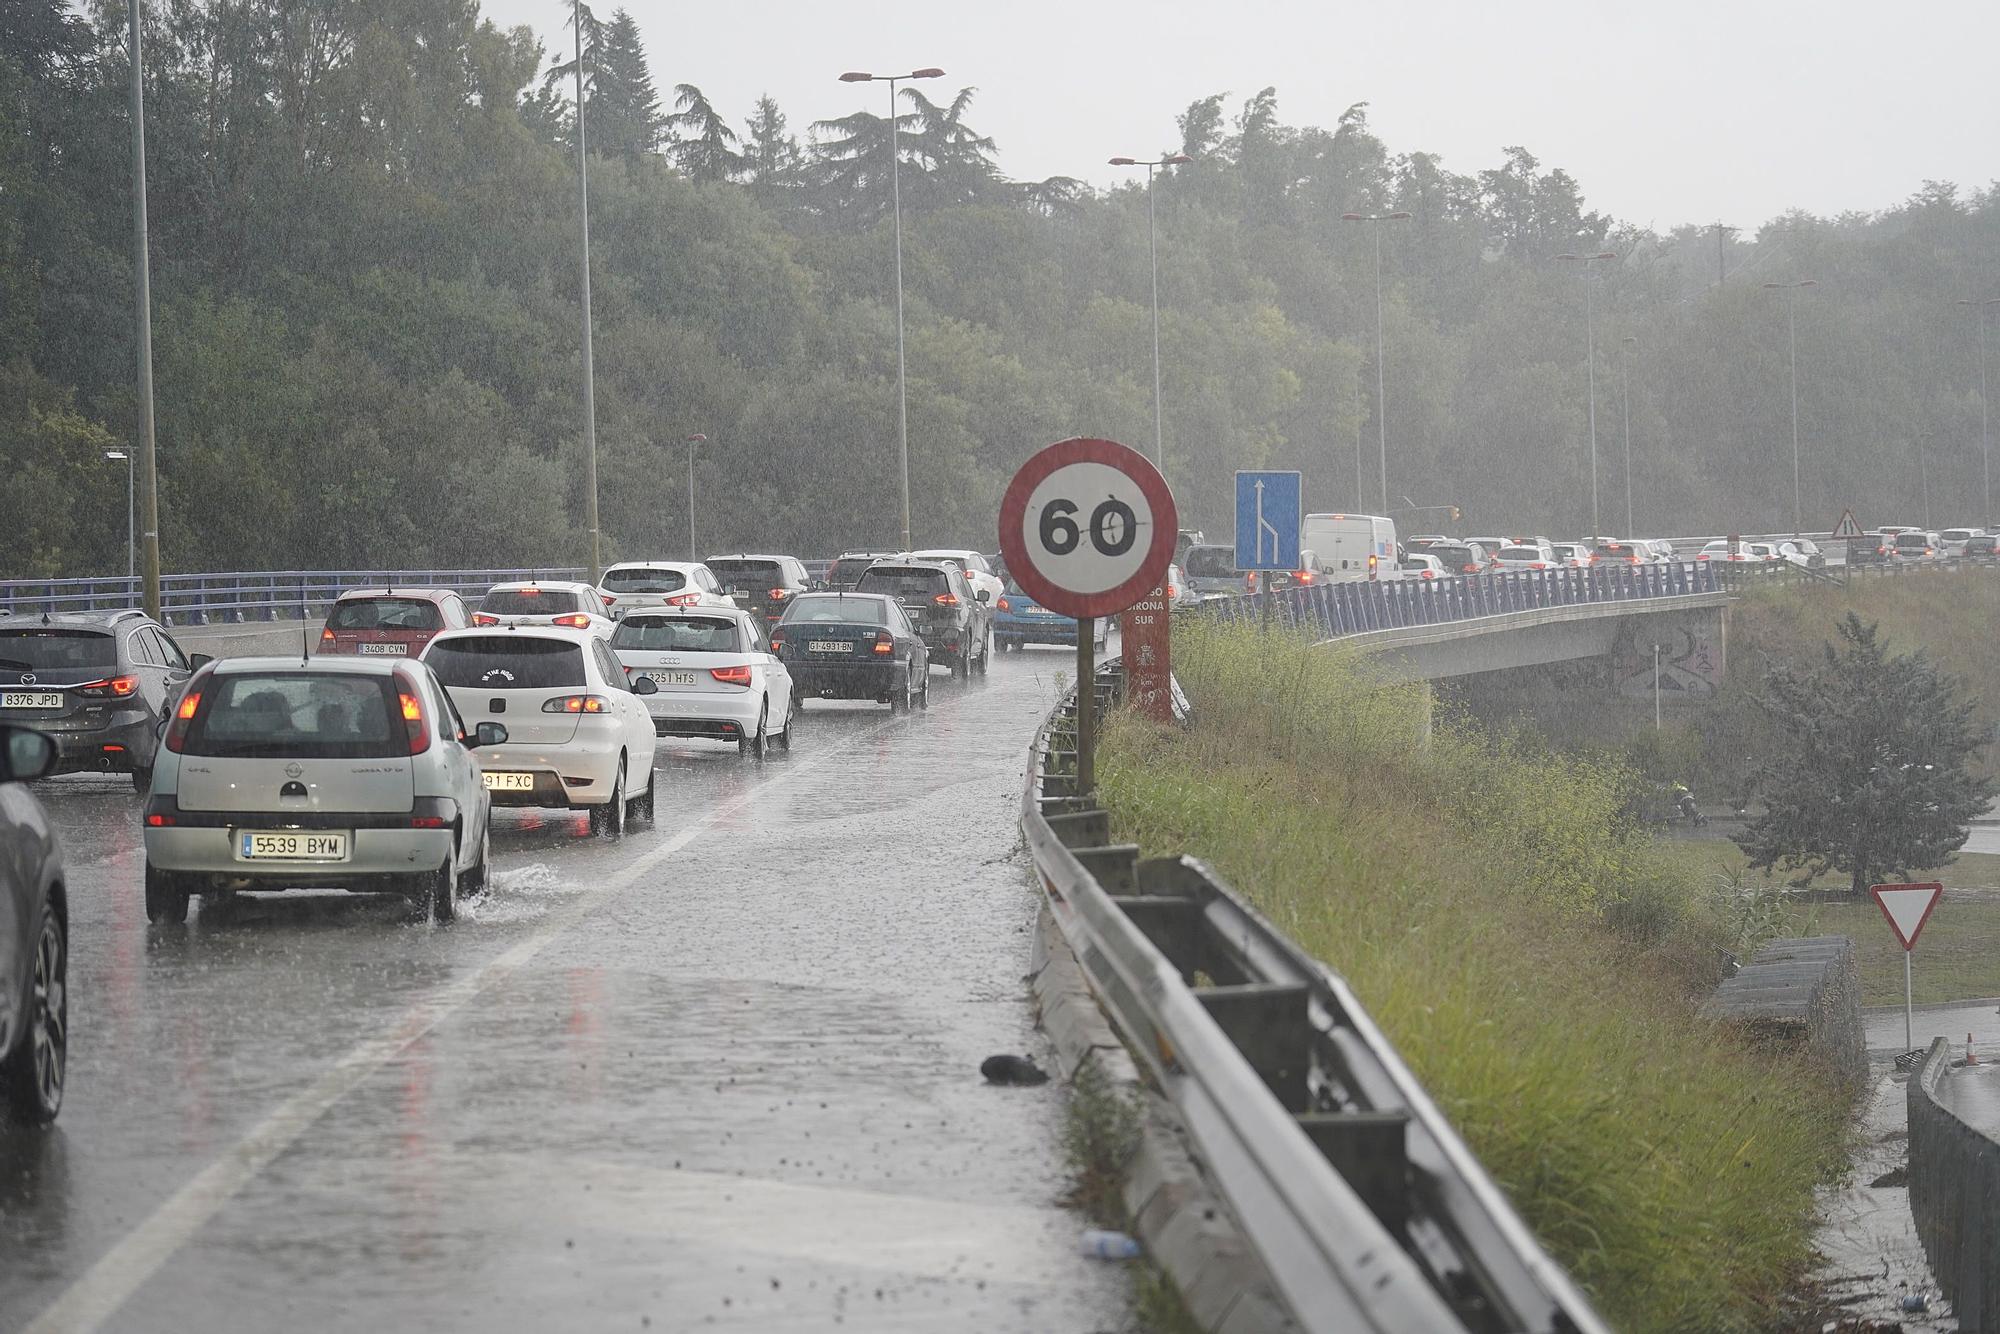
1269,509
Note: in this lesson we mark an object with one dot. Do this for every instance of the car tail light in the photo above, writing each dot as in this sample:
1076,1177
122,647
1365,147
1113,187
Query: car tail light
156,820
777,643
577,621
684,600
482,618
577,704
1304,576
885,643
1736,555
1172,592
113,687
414,722
426,822
528,592
780,594
326,638
946,599
1003,605
1472,569
607,598
1537,565
184,713
731,676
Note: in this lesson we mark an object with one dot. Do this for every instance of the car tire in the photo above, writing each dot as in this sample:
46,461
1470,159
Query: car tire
985,656
961,666
924,692
476,878
608,820
899,698
436,897
31,1080
782,738
753,745
166,899
642,807
142,778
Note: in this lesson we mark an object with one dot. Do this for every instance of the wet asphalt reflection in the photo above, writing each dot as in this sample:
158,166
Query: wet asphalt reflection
721,1073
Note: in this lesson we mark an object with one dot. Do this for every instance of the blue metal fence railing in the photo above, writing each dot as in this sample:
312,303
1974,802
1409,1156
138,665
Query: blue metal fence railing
1358,607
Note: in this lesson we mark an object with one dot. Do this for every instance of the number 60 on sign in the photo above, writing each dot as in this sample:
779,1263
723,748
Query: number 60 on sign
1087,527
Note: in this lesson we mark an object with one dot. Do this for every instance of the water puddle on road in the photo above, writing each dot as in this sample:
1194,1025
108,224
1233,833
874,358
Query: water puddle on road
520,894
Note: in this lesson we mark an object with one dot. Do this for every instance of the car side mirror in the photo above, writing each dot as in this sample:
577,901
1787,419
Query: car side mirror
25,755
489,734
645,685
985,595
197,661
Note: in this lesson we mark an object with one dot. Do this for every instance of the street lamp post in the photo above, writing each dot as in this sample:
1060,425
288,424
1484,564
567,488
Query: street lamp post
1791,291
143,292
1625,345
1590,357
589,376
1153,252
1381,379
692,442
896,207
1985,435
124,456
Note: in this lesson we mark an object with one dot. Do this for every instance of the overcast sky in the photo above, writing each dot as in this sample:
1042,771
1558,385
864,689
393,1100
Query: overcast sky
1695,112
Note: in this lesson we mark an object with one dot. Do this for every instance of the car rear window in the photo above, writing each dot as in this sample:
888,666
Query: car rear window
843,572
31,647
678,634
507,662
645,581
316,715
1956,534
529,602
1211,562
902,581
385,614
1984,543
821,609
1913,539
1452,557
747,575
1521,553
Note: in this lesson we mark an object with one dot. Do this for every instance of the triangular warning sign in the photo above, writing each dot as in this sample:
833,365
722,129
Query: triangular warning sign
1907,907
1847,527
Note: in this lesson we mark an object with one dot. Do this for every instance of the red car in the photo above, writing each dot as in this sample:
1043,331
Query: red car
392,622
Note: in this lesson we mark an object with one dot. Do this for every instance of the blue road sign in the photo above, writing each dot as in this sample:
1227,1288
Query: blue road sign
1269,507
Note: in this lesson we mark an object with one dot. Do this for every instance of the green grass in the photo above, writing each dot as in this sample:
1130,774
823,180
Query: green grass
1957,957
1968,870
1540,969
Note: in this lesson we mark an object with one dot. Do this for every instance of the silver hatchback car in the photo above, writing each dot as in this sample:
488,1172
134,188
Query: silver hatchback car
277,773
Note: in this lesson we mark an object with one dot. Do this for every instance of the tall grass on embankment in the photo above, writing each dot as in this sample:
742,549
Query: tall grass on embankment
1538,966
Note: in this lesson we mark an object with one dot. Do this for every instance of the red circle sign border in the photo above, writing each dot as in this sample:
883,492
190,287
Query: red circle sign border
1159,552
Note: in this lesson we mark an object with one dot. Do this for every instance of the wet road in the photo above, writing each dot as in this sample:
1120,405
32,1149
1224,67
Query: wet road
721,1074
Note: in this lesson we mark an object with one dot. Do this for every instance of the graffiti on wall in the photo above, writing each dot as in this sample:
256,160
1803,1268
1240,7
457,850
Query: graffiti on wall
1691,656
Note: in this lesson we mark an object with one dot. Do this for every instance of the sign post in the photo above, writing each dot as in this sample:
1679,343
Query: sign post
1907,907
1087,528
1847,527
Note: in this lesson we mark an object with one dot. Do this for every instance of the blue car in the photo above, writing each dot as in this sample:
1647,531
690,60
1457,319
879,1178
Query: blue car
1018,619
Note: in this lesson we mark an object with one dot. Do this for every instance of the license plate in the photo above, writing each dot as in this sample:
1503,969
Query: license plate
254,845
385,648
31,699
830,646
674,678
505,782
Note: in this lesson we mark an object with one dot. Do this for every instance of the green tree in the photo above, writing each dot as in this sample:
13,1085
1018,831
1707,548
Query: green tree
1871,773
772,163
703,144
625,118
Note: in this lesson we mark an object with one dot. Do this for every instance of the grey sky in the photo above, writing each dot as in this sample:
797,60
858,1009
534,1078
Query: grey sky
1665,113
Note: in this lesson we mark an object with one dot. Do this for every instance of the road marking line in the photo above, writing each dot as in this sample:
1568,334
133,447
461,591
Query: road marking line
105,1287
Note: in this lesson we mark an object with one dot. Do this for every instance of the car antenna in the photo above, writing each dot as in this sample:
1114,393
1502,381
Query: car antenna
305,646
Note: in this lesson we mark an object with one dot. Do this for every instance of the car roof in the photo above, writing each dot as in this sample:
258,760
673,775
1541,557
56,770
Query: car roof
953,552
340,665
560,585
642,565
417,594
578,637
844,593
684,613
751,555
916,563
95,619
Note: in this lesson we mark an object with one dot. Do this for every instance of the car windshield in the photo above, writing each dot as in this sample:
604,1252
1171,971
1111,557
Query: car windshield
529,602
31,647
308,715
821,609
507,662
903,582
678,634
385,614
1211,562
747,575
644,580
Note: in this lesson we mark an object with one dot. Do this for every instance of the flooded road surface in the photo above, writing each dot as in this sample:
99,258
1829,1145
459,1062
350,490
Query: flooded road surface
720,1074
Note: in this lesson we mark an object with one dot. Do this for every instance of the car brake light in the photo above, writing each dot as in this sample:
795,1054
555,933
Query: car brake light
684,600
576,704
1472,569
576,621
1298,576
115,687
414,722
1003,605
731,676
607,598
780,594
184,713
481,618
528,592
1537,565
326,637
158,821
777,642
884,642
946,599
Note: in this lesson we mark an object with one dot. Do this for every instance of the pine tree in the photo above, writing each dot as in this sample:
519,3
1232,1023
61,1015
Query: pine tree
1871,776
703,144
625,118
771,158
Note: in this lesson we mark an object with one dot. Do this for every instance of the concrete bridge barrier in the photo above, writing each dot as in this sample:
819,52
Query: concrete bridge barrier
1955,1182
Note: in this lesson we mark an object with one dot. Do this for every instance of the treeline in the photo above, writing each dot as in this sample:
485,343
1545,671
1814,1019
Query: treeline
366,297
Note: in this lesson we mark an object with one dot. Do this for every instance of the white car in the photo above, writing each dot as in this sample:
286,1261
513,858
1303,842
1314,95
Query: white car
1535,555
1721,549
1419,566
281,773
579,734
574,606
630,585
1951,541
1575,555
1180,590
1765,551
716,674
978,570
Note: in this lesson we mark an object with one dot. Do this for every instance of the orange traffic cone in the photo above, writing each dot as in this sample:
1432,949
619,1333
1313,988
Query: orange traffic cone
1970,1059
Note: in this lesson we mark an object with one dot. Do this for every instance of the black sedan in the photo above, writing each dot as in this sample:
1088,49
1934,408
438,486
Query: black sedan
853,646
34,937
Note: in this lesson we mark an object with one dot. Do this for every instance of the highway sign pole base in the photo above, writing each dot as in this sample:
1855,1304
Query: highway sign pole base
1909,1010
1086,705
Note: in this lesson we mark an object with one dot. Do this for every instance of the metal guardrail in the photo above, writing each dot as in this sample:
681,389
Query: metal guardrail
1955,1196
1365,1206
1356,607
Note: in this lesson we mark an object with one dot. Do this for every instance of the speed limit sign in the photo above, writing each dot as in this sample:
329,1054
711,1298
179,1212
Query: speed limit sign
1087,527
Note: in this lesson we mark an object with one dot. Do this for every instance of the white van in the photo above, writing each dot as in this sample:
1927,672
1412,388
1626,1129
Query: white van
1348,547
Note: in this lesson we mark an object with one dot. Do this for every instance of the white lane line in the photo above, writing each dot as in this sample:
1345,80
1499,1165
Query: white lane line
96,1296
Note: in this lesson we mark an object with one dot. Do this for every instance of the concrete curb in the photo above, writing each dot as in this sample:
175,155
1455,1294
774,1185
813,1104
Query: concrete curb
1187,1229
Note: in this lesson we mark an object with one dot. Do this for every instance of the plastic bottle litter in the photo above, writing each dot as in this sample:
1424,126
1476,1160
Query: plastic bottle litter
1916,1303
1100,1244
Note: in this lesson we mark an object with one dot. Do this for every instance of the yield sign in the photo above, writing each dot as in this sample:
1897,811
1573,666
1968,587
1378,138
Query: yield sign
1907,907
1847,527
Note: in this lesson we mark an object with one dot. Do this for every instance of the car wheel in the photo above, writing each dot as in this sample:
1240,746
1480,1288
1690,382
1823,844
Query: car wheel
31,1080
475,878
142,779
166,900
608,820
437,893
783,737
753,745
985,656
642,809
961,666
899,698
924,692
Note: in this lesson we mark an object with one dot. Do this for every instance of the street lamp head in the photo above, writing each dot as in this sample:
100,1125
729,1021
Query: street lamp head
1605,254
697,439
1353,217
1629,338
1402,215
1133,162
1179,160
928,72
855,76
119,455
